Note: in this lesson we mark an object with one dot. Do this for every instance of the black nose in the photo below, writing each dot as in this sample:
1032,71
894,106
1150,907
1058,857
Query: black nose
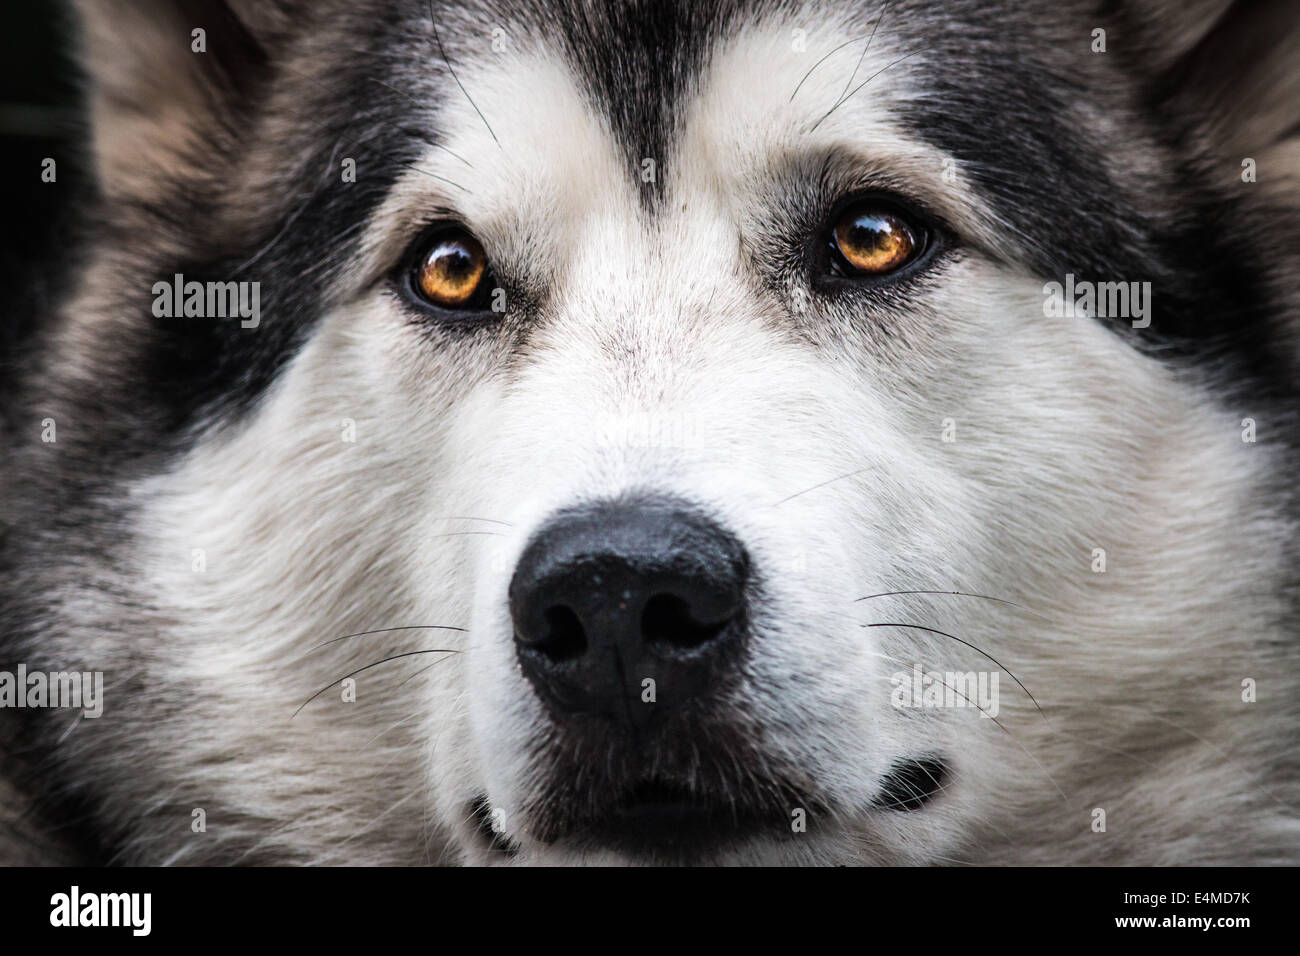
629,609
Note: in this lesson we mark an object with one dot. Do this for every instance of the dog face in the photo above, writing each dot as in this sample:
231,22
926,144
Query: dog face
642,407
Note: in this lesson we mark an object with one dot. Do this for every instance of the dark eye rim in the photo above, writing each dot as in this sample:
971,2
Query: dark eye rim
831,272
406,277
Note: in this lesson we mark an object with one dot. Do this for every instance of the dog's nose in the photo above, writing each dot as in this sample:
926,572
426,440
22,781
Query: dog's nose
629,610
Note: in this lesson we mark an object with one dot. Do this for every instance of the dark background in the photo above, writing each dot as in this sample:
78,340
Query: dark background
40,116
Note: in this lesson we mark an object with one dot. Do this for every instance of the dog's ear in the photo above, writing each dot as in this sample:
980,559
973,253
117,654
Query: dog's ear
167,77
1235,67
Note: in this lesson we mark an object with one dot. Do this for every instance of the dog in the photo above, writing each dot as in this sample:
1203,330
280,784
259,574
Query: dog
664,432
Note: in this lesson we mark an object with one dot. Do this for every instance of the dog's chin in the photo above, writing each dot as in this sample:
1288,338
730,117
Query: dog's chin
650,823
660,821
673,833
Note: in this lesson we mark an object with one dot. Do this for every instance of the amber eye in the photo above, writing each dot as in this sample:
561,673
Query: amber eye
452,270
871,240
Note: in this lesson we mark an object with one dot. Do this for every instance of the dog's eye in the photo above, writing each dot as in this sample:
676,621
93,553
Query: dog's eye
451,270
869,239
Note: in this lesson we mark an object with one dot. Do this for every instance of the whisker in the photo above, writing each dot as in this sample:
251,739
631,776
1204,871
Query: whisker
75,723
395,657
913,794
829,481
955,860
360,831
394,726
443,53
389,630
471,518
435,145
1145,764
864,83
986,597
898,660
854,75
444,179
454,534
922,627
1209,743
813,68
418,673
1015,740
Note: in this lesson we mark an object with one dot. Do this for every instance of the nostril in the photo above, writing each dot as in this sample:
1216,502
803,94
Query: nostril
565,638
668,622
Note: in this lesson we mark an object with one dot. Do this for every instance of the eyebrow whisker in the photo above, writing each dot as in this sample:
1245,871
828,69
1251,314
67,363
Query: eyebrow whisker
433,24
864,83
421,136
813,68
854,75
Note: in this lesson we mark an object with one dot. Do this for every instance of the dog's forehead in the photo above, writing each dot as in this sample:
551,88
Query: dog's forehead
632,62
550,126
